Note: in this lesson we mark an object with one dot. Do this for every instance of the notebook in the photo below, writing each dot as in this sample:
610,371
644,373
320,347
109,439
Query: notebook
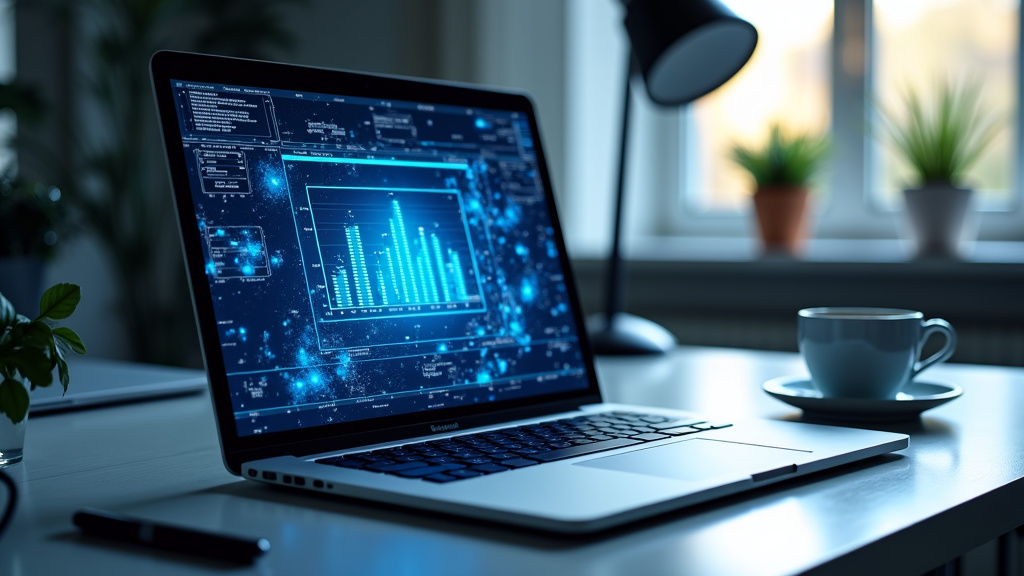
387,311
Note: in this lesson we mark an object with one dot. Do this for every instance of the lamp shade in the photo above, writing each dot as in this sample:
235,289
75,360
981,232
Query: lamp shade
687,48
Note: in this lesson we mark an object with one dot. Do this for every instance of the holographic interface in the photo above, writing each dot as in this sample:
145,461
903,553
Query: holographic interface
370,258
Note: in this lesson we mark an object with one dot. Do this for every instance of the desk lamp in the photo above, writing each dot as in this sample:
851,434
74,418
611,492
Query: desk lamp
683,49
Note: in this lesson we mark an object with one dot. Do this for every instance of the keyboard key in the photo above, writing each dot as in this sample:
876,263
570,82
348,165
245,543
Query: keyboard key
585,449
428,470
683,430
676,423
464,473
402,466
489,468
650,437
653,419
343,462
518,463
376,466
440,478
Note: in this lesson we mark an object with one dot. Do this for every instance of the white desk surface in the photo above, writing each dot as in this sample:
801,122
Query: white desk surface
960,484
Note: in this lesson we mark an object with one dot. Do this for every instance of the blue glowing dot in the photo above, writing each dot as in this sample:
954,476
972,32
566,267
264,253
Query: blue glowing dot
527,291
442,347
275,181
241,330
481,123
254,249
480,331
248,270
522,250
211,268
502,366
491,397
299,384
483,377
221,232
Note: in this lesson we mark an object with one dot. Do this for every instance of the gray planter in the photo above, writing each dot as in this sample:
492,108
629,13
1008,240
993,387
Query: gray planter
938,214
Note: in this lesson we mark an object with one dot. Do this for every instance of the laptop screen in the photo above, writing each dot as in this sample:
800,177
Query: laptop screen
371,258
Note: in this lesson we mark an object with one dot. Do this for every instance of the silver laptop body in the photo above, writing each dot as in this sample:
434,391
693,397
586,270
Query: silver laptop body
387,310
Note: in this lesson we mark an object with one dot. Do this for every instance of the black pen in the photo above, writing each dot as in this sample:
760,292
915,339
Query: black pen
170,538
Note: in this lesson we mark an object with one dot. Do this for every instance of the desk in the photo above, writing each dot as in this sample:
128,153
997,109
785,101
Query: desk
960,484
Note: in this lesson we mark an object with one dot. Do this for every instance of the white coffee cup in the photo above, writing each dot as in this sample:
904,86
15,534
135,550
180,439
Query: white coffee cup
867,352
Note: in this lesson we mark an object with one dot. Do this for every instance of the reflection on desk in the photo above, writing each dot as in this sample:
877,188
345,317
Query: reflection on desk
960,484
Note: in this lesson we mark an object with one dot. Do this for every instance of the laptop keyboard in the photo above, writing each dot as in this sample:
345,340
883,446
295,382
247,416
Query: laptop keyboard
495,451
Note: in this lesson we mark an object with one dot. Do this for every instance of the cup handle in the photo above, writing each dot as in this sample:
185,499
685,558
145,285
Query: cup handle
933,326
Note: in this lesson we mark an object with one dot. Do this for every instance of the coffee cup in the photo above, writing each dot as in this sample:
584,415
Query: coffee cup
868,352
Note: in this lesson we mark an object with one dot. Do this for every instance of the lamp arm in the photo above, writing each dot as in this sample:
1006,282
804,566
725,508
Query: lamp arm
615,278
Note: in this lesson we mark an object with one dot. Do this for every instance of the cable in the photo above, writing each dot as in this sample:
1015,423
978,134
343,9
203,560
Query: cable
12,501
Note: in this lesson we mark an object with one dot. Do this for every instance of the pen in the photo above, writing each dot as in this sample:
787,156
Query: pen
120,528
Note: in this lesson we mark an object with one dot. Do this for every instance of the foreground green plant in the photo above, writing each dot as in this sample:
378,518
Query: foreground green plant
941,139
784,160
31,349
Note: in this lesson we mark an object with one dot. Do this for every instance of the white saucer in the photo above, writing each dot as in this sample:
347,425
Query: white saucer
915,398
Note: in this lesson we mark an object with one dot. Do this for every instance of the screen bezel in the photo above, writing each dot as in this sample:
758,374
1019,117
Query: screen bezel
165,66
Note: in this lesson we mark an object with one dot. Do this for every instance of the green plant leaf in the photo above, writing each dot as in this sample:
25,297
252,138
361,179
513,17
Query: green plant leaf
33,364
34,334
63,372
784,159
941,139
7,314
69,337
60,301
13,400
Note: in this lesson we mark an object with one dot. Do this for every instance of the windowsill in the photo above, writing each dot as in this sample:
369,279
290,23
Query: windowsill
832,251
722,292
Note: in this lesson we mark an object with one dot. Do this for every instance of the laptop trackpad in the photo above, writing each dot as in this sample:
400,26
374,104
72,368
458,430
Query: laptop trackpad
701,459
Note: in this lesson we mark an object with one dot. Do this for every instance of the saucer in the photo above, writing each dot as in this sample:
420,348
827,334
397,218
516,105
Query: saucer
915,398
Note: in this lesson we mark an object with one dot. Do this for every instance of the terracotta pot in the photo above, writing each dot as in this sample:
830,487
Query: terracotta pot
938,215
782,217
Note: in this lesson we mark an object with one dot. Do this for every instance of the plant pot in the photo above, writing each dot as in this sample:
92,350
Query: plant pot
782,218
937,213
12,440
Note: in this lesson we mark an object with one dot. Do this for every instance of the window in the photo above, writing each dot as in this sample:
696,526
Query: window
919,43
786,81
7,120
819,65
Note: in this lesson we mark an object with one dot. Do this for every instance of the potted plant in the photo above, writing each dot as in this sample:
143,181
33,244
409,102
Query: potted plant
30,350
32,217
940,141
783,168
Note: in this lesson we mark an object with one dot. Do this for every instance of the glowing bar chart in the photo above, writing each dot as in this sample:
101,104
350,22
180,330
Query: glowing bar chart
388,253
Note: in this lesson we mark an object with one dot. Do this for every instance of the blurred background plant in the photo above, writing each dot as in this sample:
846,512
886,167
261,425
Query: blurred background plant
32,217
110,167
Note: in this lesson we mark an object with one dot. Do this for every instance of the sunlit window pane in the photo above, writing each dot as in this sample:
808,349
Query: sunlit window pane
920,43
786,80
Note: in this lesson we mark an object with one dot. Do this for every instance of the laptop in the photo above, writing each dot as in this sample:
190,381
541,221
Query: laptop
102,382
387,310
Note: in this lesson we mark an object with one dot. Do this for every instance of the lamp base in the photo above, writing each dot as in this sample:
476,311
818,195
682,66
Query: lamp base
627,335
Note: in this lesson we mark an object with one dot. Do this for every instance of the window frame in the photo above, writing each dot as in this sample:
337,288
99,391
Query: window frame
850,210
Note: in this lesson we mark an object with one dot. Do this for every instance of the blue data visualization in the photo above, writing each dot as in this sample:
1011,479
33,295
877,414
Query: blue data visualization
373,258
